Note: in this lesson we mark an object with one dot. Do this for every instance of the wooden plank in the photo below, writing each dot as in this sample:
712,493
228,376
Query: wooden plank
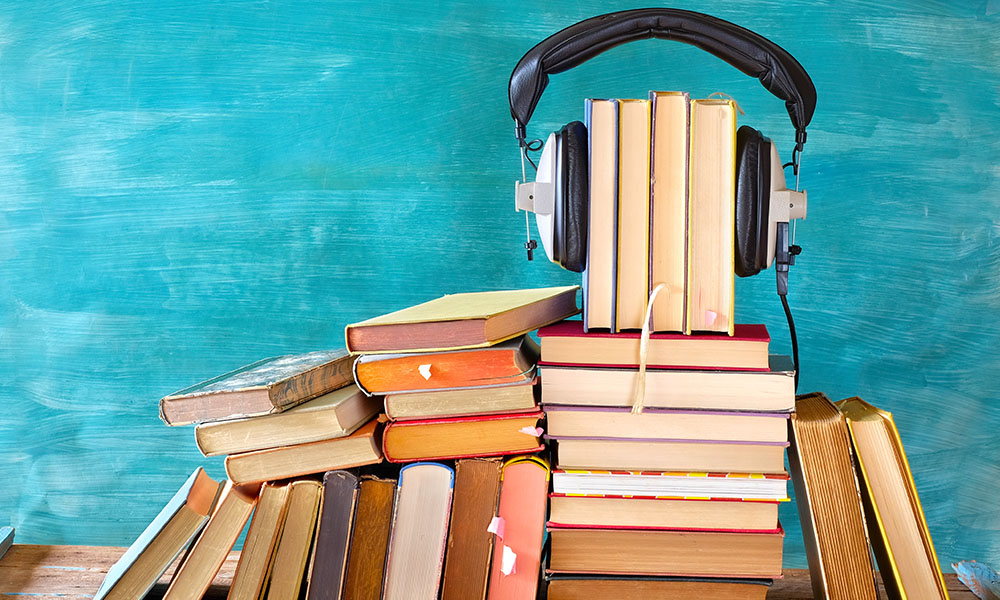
75,572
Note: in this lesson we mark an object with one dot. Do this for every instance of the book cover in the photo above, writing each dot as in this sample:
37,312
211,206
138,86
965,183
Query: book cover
257,555
516,564
601,274
896,524
329,557
633,214
668,208
712,216
291,557
370,539
462,437
506,363
698,485
419,532
467,320
336,414
177,524
266,386
670,455
566,344
470,543
516,397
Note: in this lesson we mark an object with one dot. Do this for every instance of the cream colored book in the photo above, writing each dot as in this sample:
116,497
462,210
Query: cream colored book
257,556
712,216
295,545
668,208
633,214
360,448
897,528
468,320
203,562
602,222
336,414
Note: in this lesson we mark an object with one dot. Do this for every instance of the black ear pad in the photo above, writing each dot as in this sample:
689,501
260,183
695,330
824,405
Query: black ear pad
753,202
573,194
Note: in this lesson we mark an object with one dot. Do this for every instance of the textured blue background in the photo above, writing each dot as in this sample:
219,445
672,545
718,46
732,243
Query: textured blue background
186,188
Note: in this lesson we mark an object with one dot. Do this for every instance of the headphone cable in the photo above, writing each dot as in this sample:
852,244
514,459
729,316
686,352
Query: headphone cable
795,341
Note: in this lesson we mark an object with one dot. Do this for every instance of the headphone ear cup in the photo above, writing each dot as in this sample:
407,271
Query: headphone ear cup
575,192
753,189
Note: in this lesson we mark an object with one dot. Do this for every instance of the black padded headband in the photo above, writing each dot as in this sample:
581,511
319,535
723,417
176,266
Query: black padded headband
749,52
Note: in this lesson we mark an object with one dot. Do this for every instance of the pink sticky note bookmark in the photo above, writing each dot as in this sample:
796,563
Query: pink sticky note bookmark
508,566
496,527
535,431
710,317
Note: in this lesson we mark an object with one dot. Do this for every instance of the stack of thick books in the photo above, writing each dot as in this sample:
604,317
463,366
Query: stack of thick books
304,449
680,499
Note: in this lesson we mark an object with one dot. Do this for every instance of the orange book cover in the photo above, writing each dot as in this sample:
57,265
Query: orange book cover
441,439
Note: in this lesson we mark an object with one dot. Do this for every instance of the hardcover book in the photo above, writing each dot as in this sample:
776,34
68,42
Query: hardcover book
565,344
588,587
438,439
419,532
517,557
633,214
601,274
565,422
771,390
292,555
668,208
897,528
470,543
256,558
370,539
515,397
335,414
670,455
266,386
360,448
333,536
457,321
508,362
139,568
829,501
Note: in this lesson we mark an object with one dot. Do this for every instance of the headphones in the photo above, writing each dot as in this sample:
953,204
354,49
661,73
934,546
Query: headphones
559,196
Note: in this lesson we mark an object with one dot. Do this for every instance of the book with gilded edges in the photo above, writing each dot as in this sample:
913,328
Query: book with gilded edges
601,274
896,524
267,386
467,320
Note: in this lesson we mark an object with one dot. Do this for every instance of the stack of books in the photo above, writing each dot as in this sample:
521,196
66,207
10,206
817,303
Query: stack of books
679,499
304,455
449,396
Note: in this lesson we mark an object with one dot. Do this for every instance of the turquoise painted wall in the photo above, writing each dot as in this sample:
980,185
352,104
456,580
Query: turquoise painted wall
187,187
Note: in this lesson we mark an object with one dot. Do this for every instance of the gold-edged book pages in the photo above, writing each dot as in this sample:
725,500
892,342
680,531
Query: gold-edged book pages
712,216
898,530
668,208
826,490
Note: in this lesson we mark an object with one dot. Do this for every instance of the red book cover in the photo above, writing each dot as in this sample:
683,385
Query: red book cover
462,437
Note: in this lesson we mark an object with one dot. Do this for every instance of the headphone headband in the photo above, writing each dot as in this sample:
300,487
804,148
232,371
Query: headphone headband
749,52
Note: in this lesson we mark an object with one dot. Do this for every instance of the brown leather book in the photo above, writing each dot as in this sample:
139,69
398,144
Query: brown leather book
370,539
329,559
470,545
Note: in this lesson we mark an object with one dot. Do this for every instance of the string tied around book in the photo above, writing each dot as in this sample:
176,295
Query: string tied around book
726,96
640,388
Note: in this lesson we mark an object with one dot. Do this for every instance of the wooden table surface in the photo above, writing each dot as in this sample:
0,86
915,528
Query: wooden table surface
71,572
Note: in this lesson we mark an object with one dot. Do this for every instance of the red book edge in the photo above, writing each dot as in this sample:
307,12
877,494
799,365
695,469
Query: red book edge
675,498
553,525
742,332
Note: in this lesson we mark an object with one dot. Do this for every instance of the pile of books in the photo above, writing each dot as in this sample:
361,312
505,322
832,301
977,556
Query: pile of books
689,486
305,437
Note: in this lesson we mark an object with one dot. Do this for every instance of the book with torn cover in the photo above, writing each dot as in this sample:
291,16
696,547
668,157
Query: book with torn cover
267,386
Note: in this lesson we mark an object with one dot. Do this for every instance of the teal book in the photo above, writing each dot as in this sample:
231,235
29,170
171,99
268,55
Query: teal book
163,540
267,386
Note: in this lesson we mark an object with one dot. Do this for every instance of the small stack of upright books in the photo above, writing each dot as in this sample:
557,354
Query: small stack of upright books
681,498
